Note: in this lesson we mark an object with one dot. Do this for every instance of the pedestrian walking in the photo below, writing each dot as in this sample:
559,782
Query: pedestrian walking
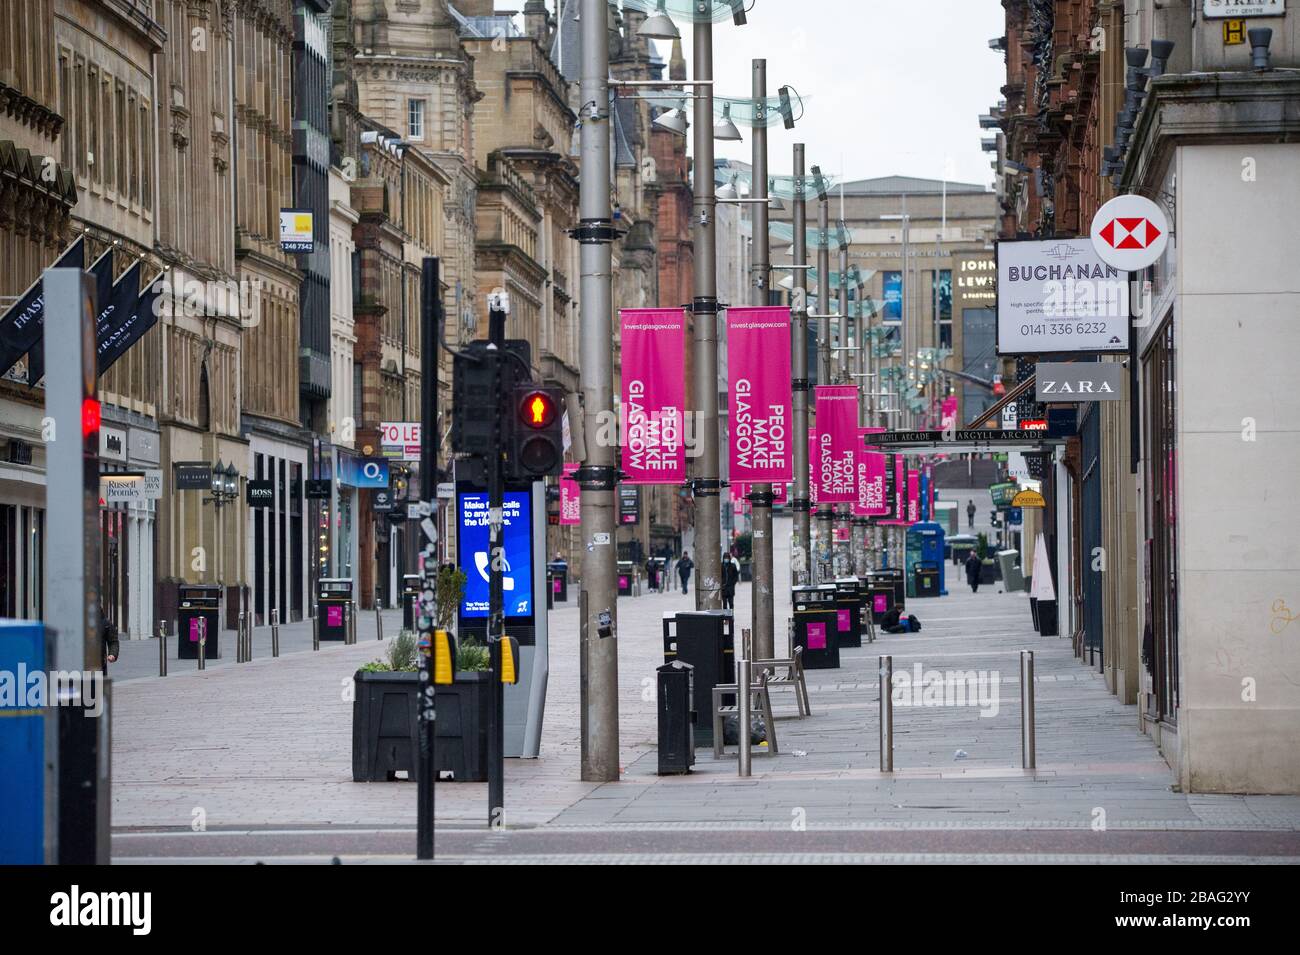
970,513
973,567
684,568
730,577
108,636
652,575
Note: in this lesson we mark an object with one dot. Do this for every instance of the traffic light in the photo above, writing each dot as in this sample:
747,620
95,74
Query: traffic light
536,447
476,389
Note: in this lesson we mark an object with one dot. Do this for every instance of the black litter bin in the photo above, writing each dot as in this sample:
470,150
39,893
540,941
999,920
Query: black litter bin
676,718
706,640
1047,620
333,597
816,625
848,612
559,580
895,578
198,608
626,578
410,600
925,574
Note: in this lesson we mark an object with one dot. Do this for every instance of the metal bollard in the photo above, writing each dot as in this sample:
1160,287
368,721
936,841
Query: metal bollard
352,623
1028,755
239,639
275,632
248,637
886,714
203,643
315,629
162,648
379,623
742,713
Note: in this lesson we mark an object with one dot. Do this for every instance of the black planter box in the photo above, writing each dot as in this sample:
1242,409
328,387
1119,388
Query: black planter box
990,572
385,722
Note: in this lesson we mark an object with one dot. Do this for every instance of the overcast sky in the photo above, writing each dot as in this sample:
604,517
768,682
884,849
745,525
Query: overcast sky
892,86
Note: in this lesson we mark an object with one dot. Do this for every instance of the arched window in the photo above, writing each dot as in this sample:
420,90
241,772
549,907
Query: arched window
205,403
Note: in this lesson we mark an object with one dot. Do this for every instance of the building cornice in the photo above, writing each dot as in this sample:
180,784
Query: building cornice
1199,108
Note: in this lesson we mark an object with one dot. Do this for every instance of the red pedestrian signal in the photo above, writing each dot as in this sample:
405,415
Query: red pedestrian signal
535,446
90,417
537,410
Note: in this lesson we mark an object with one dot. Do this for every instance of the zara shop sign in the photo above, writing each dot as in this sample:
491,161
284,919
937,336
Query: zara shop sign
1058,382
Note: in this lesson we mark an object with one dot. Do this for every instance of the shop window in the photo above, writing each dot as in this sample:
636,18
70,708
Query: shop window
1160,445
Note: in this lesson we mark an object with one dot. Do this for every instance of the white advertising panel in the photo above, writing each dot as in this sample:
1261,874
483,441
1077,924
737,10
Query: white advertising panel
1057,295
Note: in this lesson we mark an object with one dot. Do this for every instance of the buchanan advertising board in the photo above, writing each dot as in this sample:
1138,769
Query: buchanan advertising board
1057,295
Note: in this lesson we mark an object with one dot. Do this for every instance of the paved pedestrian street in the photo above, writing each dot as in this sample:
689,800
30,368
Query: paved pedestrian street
252,761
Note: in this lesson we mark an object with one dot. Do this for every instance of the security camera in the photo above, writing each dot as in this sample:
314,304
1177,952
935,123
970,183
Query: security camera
499,302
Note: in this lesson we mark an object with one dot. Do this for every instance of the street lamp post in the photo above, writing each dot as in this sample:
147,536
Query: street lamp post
706,485
825,512
761,498
598,474
800,543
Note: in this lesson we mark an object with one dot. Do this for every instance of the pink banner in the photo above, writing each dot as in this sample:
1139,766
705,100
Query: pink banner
913,496
654,395
758,389
837,431
871,478
898,506
812,466
948,412
570,497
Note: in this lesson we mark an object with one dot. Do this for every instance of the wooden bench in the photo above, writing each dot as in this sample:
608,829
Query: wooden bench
760,702
793,676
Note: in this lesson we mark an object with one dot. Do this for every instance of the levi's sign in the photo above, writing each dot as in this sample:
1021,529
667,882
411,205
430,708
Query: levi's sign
1056,381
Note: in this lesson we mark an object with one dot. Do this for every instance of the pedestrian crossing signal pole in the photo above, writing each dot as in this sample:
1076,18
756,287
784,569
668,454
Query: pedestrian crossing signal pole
497,312
429,642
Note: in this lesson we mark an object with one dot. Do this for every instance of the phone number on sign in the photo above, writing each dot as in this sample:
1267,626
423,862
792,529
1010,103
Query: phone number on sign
1066,328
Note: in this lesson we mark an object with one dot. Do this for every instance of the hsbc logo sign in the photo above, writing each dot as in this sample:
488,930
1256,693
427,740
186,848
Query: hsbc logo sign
1130,233
1137,233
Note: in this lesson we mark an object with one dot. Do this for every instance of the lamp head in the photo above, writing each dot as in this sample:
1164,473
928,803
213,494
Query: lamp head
659,26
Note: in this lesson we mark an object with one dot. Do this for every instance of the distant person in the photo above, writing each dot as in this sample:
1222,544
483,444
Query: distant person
970,513
896,621
973,567
108,636
652,574
684,568
730,577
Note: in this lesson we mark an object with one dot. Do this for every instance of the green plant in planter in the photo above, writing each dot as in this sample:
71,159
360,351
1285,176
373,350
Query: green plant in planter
399,656
472,656
982,546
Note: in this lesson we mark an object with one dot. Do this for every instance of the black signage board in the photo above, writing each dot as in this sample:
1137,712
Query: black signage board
317,490
891,496
259,493
192,475
629,504
382,500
